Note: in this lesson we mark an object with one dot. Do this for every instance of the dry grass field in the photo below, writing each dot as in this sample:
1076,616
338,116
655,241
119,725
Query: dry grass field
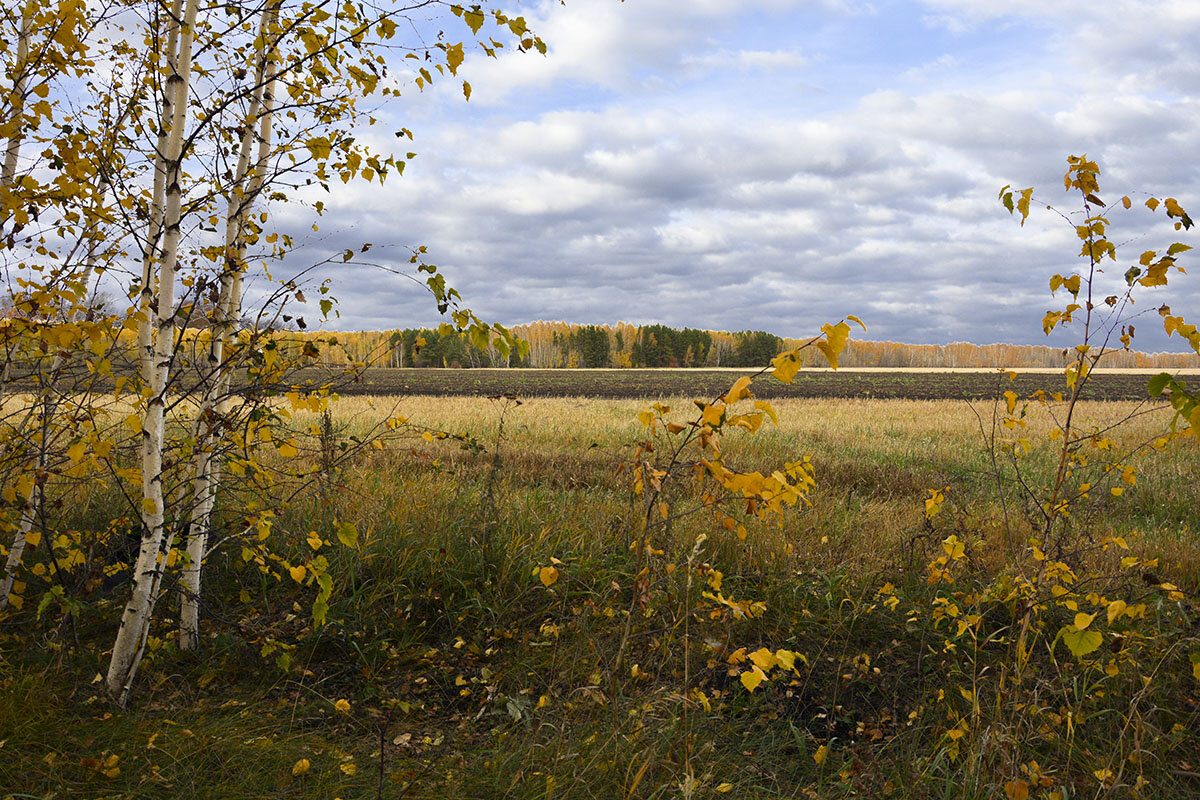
469,671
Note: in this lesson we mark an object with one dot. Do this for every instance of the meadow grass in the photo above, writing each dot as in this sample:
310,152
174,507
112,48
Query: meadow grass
615,680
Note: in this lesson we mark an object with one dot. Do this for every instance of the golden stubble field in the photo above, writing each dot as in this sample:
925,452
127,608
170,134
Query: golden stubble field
876,461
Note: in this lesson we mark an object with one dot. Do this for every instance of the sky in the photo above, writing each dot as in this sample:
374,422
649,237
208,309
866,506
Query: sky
776,164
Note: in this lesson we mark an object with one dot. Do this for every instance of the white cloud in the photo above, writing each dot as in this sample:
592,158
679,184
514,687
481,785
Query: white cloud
637,173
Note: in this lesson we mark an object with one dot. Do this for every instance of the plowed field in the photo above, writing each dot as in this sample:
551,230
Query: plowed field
652,383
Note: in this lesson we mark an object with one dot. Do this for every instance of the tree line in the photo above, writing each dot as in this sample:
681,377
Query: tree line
562,345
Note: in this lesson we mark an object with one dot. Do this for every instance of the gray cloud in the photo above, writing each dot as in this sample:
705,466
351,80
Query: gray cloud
632,206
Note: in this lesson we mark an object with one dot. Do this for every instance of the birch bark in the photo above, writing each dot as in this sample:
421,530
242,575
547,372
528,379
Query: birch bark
213,406
135,620
8,172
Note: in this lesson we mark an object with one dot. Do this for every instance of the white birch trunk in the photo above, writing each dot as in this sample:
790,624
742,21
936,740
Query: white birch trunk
135,621
8,173
13,151
213,407
154,231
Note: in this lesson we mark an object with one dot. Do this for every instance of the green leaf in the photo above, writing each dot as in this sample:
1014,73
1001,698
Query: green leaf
1080,643
347,534
1158,383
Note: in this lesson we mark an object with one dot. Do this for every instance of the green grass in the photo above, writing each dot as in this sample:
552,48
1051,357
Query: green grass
486,683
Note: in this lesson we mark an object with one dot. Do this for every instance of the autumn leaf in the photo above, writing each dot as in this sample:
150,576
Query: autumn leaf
1080,642
1016,790
548,575
474,19
786,365
711,415
302,766
739,390
752,677
454,58
347,534
764,659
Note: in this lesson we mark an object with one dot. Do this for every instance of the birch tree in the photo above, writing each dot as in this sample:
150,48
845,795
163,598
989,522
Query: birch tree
328,57
49,48
155,121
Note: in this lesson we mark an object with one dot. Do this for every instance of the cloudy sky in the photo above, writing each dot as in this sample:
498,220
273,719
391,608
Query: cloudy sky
773,164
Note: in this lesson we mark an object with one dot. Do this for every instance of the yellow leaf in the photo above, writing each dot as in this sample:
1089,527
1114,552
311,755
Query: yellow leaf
297,572
724,788
288,449
474,19
302,766
320,147
711,415
786,366
33,538
1016,790
466,90
1082,620
348,768
751,678
1010,398
763,405
1115,609
342,706
149,506
134,423
548,575
1196,670
739,390
836,337
454,57
822,751
76,451
764,659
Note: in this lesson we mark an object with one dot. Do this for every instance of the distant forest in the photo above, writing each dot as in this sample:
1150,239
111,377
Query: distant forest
561,345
